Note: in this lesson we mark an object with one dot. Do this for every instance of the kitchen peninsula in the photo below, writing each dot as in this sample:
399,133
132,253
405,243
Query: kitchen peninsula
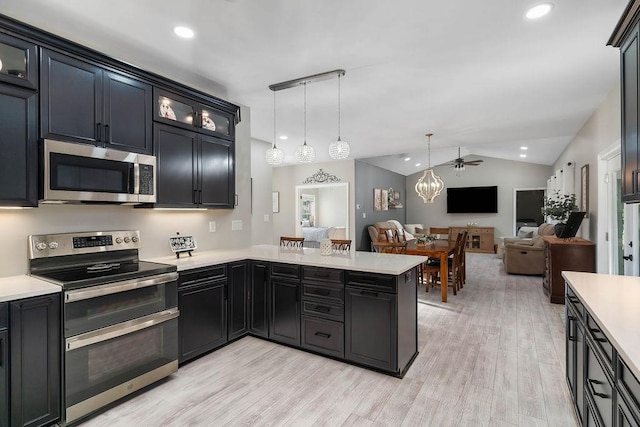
358,307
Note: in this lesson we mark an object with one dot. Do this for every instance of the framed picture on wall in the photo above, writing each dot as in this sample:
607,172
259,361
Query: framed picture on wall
377,199
584,189
385,200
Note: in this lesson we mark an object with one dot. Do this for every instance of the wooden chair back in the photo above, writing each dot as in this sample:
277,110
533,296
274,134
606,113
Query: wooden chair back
341,245
444,233
291,242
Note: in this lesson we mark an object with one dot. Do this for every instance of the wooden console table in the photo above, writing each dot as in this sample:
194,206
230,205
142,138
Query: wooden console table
480,238
574,254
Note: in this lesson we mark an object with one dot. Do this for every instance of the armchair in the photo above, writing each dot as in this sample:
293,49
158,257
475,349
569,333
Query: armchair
525,257
525,235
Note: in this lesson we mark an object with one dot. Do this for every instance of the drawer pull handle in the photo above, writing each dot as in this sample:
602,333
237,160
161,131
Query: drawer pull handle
573,299
323,335
593,391
322,275
595,331
371,294
571,337
322,292
322,308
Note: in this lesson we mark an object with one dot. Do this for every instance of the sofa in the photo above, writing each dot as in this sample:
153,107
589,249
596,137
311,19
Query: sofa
525,235
416,230
377,231
525,257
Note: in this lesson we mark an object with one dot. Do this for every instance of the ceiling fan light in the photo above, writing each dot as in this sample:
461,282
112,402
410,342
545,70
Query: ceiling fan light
339,149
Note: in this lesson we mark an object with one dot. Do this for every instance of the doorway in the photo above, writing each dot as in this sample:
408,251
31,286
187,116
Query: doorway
527,207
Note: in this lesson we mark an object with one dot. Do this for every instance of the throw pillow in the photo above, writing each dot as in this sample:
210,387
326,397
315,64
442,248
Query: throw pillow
525,234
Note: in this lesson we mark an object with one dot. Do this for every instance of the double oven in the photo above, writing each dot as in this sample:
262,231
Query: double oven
120,315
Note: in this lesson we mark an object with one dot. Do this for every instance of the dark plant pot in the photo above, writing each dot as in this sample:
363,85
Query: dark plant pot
559,228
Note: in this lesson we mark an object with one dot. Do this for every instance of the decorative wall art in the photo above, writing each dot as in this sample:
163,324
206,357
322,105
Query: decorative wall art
377,199
584,189
385,200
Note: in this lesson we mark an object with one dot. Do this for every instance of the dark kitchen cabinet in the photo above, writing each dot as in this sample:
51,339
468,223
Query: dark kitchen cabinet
575,347
19,62
599,387
194,170
85,103
187,113
35,362
238,277
202,301
258,300
284,322
4,364
19,146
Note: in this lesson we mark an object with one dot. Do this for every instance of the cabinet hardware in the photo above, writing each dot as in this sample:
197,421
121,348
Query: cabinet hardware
628,257
322,308
371,294
195,196
322,292
98,131
323,335
571,337
595,331
106,133
591,382
1,352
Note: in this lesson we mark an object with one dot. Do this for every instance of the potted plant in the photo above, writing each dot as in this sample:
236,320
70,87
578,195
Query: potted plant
558,207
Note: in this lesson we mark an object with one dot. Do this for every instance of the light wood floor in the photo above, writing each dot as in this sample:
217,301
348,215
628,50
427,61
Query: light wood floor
492,356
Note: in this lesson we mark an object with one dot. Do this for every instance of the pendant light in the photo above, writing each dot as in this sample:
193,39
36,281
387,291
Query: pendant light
339,149
274,155
429,186
305,153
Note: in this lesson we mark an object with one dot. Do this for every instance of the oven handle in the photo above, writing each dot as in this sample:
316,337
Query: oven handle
113,288
120,329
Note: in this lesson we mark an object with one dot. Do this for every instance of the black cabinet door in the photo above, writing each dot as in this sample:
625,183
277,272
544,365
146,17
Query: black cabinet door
216,171
70,99
259,299
4,377
127,113
237,304
176,151
370,328
629,56
284,319
203,318
19,62
35,361
19,146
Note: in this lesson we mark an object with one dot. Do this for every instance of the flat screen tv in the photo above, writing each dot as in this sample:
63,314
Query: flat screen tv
572,226
472,199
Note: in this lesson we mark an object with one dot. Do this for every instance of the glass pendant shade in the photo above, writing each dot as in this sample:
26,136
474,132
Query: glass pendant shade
339,149
458,169
305,153
429,186
274,155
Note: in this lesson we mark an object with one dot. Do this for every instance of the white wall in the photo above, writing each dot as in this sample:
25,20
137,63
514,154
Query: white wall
261,215
506,174
331,209
156,226
286,178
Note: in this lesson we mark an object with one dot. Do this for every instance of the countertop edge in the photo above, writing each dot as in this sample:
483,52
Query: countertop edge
14,288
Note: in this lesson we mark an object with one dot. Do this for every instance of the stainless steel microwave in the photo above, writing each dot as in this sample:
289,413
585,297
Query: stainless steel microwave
77,173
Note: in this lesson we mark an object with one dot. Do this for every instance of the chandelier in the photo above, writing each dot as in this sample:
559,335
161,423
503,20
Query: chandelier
339,149
274,155
305,153
429,186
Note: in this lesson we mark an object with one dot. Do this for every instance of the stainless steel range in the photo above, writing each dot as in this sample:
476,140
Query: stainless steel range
120,315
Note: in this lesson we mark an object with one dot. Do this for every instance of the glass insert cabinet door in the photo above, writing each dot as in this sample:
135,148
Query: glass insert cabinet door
18,62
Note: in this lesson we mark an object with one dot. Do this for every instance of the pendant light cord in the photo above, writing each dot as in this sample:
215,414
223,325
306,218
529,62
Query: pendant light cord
338,107
274,119
305,113
429,151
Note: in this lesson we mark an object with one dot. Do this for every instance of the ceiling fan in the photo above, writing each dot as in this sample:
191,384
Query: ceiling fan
459,163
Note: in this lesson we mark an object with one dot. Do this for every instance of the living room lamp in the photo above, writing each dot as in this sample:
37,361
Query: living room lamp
339,149
429,186
274,155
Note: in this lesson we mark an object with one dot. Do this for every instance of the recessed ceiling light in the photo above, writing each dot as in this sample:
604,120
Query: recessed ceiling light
523,155
406,159
539,11
417,164
283,137
524,148
184,32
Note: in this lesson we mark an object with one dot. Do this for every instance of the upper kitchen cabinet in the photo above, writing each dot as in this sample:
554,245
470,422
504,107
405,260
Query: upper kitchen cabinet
83,102
18,62
625,37
187,113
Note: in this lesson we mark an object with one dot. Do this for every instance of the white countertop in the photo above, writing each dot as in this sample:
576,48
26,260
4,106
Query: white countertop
614,303
370,262
18,287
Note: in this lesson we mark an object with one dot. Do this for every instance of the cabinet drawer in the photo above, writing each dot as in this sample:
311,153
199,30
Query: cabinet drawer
327,275
602,343
372,281
194,276
598,387
628,384
574,302
331,293
323,336
4,315
285,270
323,309
625,416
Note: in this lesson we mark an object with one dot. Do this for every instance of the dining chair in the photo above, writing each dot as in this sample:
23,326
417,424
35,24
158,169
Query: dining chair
291,242
444,233
341,245
454,267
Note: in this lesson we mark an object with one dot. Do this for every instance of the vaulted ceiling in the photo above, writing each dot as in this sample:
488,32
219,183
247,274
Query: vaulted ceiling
477,74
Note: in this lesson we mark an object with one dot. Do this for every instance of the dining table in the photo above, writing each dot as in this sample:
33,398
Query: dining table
440,249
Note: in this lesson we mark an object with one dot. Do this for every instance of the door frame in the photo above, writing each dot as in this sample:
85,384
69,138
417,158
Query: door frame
605,210
515,196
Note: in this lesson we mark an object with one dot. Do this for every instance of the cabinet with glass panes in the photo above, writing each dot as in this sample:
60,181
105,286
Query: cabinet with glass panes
177,110
18,63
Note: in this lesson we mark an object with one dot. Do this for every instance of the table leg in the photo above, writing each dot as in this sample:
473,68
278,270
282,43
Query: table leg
443,276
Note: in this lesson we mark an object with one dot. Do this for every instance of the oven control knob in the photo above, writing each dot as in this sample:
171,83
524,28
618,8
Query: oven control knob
53,245
134,239
118,239
127,239
41,246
